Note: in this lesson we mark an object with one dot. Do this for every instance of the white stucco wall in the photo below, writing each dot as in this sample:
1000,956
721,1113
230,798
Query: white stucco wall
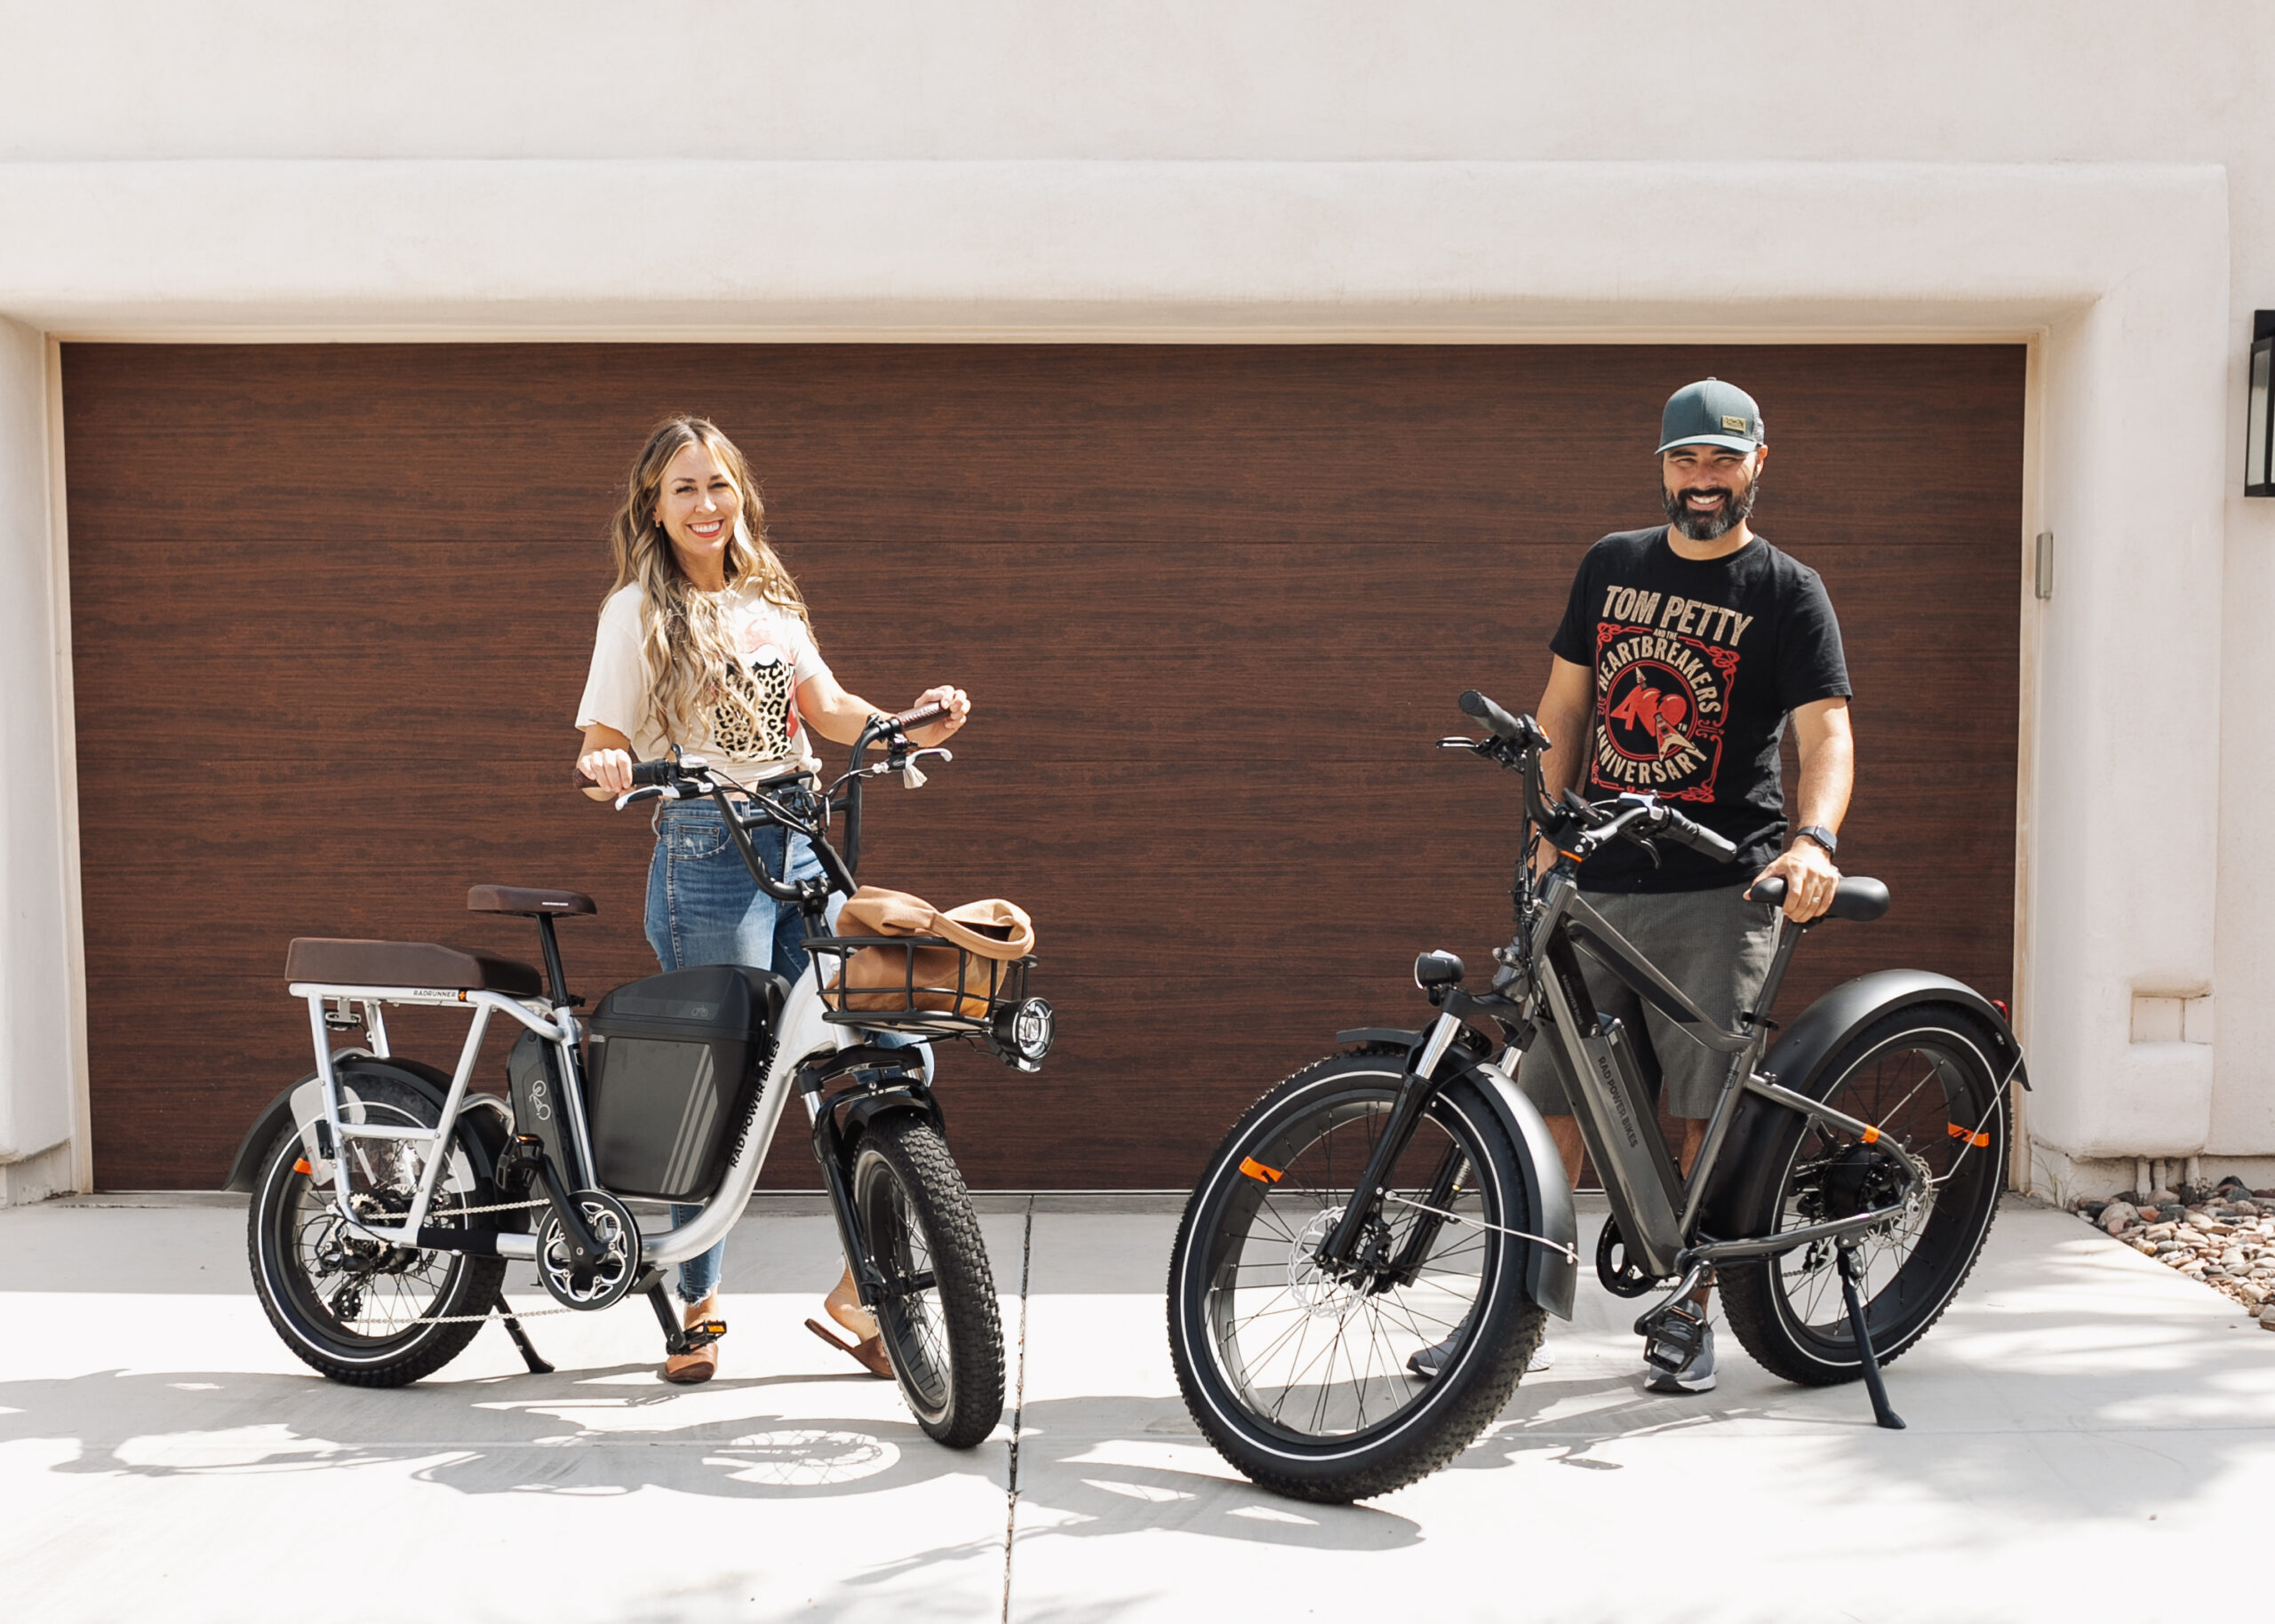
2099,176
38,1077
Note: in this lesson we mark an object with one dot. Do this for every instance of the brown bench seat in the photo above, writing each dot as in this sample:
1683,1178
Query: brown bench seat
341,962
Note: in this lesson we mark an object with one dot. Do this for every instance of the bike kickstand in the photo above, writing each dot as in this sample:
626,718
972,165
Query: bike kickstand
537,1366
1873,1383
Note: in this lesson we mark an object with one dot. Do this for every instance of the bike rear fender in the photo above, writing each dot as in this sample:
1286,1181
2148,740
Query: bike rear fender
1826,1026
485,1129
1798,1058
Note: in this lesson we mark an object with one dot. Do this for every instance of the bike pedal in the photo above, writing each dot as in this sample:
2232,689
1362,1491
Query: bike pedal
1672,1335
702,1335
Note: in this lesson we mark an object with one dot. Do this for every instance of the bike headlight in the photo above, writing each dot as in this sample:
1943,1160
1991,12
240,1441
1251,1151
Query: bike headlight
1025,1032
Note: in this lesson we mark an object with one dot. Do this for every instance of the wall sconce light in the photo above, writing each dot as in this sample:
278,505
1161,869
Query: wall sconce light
2258,453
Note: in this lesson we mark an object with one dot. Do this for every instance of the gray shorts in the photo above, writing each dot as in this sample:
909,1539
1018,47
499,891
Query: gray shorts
1715,945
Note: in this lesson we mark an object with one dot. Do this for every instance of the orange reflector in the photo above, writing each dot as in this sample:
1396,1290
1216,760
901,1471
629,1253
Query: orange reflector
302,1167
1257,1170
1981,1141
1871,1136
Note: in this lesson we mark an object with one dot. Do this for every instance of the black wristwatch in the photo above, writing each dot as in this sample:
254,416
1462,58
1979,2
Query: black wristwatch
1822,835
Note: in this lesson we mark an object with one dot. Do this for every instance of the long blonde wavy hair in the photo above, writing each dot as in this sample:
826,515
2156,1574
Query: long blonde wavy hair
687,644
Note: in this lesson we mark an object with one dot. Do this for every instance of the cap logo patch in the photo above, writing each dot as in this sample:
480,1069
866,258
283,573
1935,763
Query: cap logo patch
1737,425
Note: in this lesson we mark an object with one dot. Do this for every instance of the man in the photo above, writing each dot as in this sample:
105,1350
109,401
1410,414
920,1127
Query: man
1683,651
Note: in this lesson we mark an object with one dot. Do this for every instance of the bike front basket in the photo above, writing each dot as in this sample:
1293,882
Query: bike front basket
923,984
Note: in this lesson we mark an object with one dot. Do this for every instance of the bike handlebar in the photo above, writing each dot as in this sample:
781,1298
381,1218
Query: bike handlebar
1516,729
922,716
1705,842
1580,828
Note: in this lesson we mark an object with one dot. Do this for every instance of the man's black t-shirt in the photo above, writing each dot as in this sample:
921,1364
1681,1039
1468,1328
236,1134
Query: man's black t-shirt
1697,666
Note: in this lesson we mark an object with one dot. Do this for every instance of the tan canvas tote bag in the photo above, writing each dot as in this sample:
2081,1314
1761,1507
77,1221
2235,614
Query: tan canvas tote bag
992,931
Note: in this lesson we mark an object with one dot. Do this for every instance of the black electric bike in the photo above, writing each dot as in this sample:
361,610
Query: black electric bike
1405,1195
388,1196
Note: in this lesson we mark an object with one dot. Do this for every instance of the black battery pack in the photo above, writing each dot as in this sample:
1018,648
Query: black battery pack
675,1061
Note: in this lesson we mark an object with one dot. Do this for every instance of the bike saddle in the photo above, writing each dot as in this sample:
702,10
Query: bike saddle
1856,897
526,900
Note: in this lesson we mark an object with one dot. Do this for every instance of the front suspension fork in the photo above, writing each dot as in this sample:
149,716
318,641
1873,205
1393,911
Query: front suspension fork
829,1150
1414,1094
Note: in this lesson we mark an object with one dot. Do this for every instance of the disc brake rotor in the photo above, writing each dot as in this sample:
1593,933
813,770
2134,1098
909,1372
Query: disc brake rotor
1319,1295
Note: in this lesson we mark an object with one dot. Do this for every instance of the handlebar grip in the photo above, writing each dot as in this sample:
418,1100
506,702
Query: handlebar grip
1493,716
922,716
645,775
1705,842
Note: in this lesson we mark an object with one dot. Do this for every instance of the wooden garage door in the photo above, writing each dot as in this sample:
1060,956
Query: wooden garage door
331,608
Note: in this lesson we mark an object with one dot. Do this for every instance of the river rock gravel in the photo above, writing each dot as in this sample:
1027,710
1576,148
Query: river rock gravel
2224,1238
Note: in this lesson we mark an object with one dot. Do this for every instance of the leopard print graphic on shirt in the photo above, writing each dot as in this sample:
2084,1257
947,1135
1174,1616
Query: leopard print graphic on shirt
764,732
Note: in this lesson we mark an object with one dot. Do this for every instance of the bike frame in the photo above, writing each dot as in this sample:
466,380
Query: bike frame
803,1036
1657,1209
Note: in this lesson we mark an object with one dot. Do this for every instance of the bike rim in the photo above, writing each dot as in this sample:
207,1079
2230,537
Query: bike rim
357,1292
915,1327
1313,1360
1931,1093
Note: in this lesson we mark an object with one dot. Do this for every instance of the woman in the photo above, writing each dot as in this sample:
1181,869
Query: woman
705,642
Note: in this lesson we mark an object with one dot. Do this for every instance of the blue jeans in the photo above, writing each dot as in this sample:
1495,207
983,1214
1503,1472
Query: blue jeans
704,908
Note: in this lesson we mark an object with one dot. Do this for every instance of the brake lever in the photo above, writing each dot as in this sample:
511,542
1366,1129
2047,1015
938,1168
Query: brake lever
648,791
912,776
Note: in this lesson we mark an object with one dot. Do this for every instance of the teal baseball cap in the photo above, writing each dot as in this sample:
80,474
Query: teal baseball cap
1711,412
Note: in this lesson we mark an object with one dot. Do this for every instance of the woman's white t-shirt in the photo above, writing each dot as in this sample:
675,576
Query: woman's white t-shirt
777,657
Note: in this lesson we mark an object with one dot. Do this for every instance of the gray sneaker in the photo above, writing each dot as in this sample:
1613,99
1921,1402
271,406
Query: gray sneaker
1427,1362
1695,1376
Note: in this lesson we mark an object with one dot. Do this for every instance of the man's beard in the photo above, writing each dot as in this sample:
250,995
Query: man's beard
1736,507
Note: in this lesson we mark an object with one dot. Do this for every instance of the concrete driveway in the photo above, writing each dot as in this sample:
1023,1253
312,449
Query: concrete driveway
2091,1436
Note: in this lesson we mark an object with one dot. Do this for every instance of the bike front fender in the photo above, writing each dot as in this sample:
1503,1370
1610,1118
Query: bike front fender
1552,1277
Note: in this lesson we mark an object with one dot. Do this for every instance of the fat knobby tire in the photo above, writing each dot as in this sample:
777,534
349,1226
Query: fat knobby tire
928,1178
392,1362
1467,1394
1750,1289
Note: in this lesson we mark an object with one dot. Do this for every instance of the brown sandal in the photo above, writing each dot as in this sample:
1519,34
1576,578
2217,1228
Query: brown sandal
843,1305
869,1354
697,1364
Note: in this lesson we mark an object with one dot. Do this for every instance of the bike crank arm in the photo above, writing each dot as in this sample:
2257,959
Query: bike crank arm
584,1246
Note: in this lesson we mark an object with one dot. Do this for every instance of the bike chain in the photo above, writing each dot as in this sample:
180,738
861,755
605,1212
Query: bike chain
484,1320
1569,1255
493,1317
